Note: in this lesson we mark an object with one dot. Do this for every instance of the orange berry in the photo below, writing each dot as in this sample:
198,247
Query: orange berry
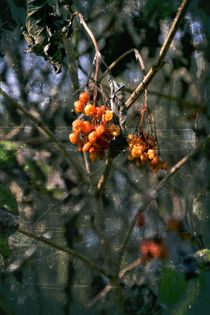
108,115
73,137
131,139
143,158
87,127
151,154
79,107
114,130
84,97
80,144
90,110
86,147
135,151
154,160
100,130
92,137
77,126
94,156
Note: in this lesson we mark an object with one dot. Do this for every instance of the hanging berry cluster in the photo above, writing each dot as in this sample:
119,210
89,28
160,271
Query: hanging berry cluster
143,149
94,133
153,248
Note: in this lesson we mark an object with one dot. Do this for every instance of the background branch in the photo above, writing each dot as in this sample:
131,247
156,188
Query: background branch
69,251
166,45
44,128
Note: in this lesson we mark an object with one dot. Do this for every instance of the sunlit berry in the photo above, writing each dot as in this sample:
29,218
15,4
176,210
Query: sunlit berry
100,130
131,139
90,110
79,107
92,137
73,137
86,147
151,154
114,130
154,161
108,115
87,127
77,126
84,97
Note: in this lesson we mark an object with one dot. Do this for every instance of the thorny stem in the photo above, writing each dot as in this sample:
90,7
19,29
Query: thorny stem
69,251
153,194
160,62
44,128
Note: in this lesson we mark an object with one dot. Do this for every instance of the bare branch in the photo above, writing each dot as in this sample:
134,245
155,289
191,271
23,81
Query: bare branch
69,251
160,62
103,293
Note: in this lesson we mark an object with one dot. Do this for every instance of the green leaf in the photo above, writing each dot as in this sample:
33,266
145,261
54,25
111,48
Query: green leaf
4,247
172,286
7,154
7,200
203,255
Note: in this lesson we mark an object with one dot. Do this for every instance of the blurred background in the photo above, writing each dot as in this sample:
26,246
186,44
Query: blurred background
53,202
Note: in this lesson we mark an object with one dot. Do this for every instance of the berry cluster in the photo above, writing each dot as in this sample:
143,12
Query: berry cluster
143,149
153,248
93,136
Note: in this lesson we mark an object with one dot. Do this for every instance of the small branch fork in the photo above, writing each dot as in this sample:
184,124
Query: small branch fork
160,62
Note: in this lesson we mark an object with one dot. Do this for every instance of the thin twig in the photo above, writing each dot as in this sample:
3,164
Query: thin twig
128,52
104,176
160,62
44,128
153,194
69,251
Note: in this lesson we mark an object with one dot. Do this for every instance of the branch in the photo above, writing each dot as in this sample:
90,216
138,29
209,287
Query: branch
44,128
128,52
69,251
104,176
153,194
160,62
103,293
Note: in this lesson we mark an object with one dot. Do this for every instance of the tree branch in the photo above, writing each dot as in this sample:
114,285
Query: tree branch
153,194
69,251
44,128
160,62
